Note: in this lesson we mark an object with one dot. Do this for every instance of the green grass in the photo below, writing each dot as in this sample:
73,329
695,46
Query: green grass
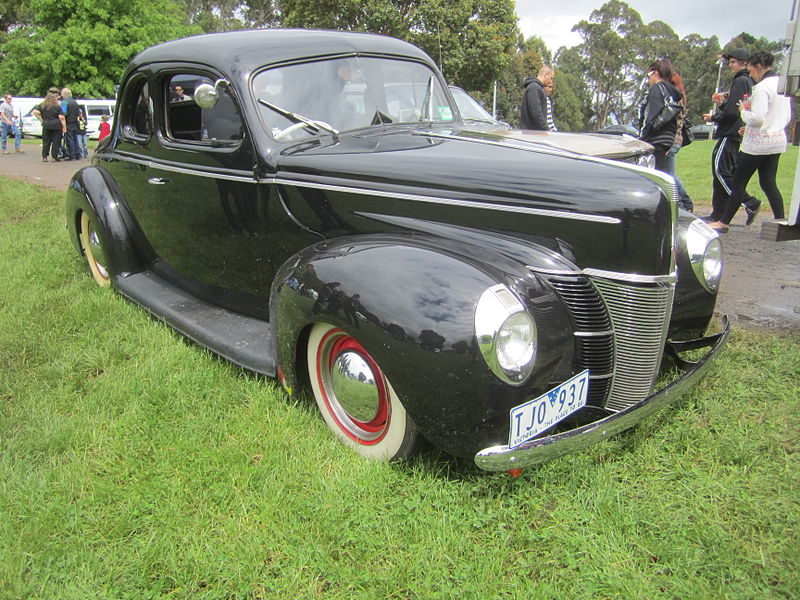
135,465
694,170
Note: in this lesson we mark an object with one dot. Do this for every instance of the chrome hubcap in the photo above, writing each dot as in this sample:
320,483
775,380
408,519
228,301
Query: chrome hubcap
354,387
353,384
97,252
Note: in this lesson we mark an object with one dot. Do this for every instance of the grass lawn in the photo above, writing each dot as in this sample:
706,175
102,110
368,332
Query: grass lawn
694,170
135,465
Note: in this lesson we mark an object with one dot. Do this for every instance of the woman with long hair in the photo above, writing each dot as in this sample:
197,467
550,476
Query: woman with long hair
54,125
766,115
684,200
660,136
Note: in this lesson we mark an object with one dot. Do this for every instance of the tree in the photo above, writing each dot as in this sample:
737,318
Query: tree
572,98
471,40
610,61
85,44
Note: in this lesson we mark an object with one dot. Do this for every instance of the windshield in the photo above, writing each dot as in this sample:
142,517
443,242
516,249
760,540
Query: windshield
469,107
348,93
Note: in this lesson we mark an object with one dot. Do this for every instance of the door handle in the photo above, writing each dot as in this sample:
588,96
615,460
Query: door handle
158,180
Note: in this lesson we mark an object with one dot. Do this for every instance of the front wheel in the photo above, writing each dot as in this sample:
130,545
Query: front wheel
355,397
93,250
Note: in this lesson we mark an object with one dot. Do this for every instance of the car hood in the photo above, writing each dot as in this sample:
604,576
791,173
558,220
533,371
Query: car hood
495,183
591,144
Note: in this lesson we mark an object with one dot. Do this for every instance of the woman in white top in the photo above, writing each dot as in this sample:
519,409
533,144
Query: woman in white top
766,115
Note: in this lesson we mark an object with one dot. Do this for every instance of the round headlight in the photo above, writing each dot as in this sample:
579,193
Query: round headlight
516,342
506,334
705,254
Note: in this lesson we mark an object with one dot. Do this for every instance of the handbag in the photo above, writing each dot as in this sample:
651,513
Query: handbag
687,137
668,112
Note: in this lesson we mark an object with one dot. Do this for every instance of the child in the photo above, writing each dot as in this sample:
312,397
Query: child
105,128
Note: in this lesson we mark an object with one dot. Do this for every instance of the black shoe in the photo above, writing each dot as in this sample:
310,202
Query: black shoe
752,212
709,219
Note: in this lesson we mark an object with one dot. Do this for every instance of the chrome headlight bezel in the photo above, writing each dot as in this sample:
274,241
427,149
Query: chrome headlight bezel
704,249
507,335
647,161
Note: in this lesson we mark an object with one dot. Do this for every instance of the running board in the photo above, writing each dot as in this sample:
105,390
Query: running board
242,340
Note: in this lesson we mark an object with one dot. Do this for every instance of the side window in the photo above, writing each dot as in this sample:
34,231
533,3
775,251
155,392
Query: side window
138,111
98,111
188,122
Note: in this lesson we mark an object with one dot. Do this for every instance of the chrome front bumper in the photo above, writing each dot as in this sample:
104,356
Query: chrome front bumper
540,450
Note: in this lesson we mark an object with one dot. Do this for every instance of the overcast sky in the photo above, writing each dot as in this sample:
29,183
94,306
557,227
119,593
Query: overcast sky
552,20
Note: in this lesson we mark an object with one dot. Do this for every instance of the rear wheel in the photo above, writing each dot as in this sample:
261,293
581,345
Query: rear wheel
93,250
355,397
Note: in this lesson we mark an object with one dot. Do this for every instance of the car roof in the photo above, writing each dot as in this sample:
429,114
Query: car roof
244,51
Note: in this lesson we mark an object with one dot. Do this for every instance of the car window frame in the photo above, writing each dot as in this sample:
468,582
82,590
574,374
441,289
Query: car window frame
133,90
456,115
162,78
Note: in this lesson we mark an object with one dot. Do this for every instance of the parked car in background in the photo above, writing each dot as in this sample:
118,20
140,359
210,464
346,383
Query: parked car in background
620,130
318,211
704,131
94,110
627,149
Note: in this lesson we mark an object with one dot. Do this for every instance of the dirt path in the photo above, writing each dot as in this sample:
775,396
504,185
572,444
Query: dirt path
760,285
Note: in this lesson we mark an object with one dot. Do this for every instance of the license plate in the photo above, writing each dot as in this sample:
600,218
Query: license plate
532,418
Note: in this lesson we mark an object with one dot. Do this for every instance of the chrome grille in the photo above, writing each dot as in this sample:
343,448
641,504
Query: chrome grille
640,317
594,340
620,331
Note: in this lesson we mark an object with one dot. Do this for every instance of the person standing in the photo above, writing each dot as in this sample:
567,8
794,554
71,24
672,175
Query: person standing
660,135
684,201
533,113
766,116
53,124
9,124
105,128
548,91
71,113
725,153
83,148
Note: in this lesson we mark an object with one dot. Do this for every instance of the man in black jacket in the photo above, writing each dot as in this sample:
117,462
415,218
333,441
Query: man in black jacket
533,113
726,116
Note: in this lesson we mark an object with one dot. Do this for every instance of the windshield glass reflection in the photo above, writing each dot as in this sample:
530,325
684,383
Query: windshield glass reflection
349,93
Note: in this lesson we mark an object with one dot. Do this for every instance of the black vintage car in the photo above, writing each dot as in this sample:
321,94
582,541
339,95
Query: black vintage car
314,208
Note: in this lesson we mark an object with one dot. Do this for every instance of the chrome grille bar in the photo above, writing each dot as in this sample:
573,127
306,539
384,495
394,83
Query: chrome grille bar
640,317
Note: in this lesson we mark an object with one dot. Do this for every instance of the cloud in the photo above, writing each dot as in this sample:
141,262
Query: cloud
553,21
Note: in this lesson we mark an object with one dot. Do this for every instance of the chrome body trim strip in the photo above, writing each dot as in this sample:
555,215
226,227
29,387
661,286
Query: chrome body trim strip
632,277
540,450
448,201
183,170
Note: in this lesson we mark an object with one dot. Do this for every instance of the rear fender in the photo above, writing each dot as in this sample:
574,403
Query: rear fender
92,189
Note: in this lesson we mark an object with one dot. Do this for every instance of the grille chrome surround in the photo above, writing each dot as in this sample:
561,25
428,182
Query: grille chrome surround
640,316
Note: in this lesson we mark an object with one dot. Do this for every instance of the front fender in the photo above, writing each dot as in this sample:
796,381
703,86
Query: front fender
92,189
410,301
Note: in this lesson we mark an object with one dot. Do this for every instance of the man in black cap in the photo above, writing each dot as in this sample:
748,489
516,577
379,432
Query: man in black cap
726,116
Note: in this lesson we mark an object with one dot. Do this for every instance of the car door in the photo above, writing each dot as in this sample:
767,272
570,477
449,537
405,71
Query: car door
187,176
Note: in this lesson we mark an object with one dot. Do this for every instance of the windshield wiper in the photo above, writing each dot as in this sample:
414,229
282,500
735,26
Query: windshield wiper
427,103
299,122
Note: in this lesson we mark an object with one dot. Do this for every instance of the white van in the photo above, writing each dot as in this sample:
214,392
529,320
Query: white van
94,110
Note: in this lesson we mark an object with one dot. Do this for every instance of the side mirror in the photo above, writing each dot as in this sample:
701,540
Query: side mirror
207,95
